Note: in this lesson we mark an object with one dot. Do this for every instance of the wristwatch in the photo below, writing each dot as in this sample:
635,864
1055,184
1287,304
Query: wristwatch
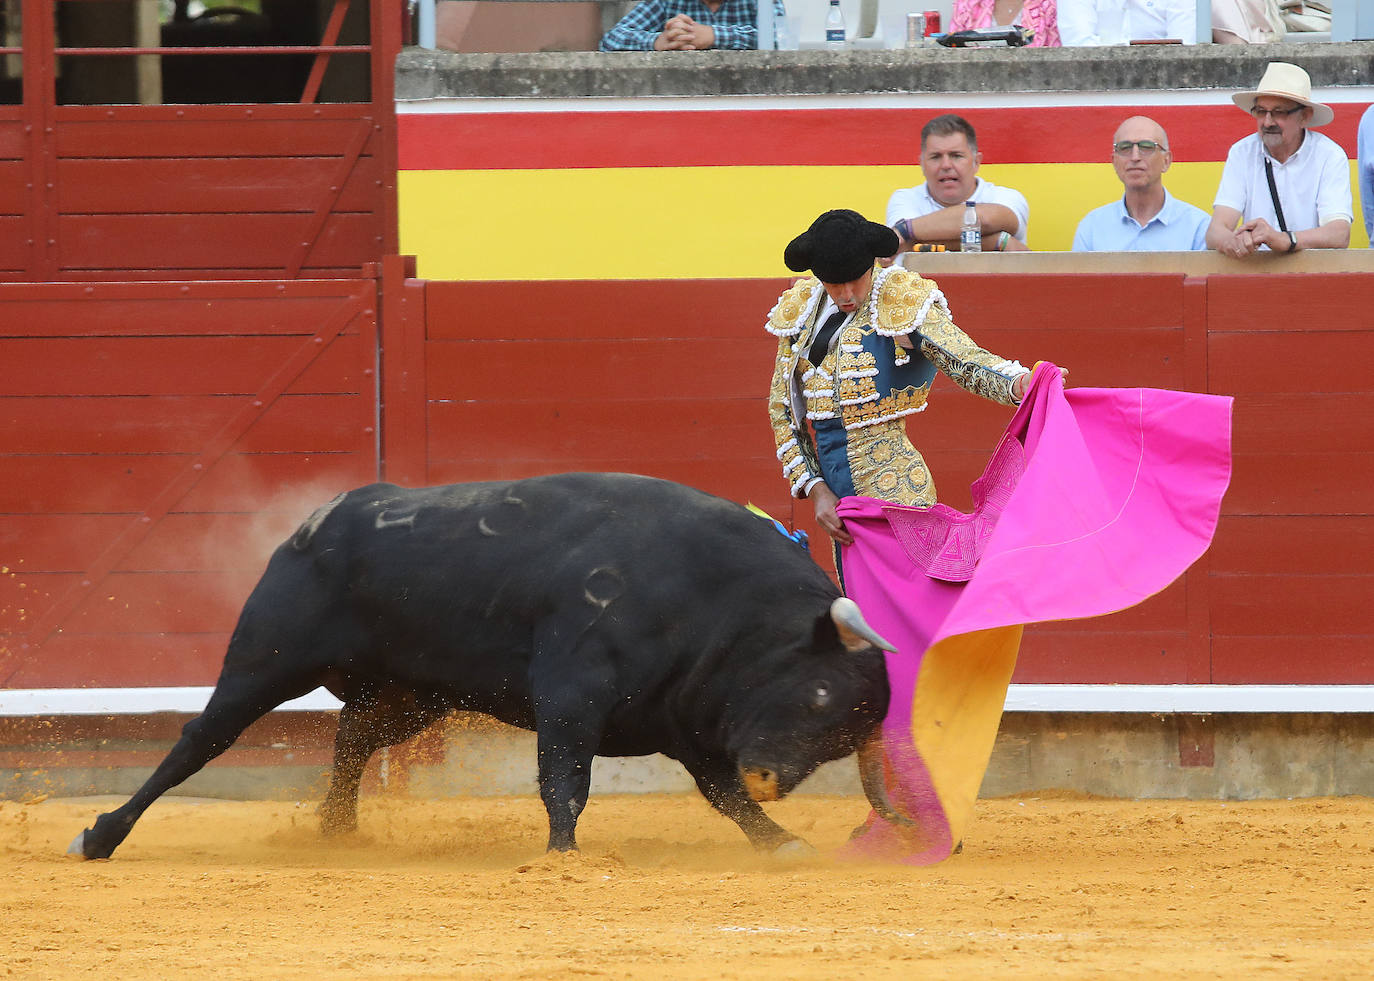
1292,242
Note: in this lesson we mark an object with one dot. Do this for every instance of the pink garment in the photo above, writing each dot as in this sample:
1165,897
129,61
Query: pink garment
1041,16
1105,496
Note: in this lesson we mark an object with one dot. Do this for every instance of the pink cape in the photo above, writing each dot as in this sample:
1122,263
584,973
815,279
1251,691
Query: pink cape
1094,500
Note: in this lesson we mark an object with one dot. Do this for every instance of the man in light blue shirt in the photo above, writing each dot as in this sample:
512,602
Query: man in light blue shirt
1147,218
1365,151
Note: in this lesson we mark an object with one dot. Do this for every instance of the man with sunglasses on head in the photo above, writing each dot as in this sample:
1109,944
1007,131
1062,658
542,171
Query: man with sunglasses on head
1286,187
1147,218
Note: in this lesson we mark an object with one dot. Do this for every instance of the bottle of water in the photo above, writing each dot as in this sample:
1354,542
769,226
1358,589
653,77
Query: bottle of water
971,234
834,26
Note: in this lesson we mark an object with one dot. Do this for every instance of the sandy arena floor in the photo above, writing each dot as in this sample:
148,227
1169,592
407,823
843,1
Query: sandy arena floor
1060,887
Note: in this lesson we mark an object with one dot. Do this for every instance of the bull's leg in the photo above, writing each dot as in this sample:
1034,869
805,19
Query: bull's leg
233,707
569,718
368,722
566,749
719,782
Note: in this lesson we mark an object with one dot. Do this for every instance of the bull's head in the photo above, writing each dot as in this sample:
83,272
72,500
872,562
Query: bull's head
855,634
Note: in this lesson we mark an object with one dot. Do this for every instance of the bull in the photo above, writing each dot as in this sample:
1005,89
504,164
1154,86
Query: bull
611,614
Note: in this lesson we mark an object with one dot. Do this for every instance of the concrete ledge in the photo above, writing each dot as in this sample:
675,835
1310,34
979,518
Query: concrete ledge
425,74
1237,756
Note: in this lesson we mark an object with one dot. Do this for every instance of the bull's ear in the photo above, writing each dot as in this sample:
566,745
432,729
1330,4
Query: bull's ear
855,633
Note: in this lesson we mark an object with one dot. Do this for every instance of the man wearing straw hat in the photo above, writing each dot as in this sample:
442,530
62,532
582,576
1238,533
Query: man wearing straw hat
1285,187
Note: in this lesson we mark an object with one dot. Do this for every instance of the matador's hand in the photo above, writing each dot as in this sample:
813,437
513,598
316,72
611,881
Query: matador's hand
825,500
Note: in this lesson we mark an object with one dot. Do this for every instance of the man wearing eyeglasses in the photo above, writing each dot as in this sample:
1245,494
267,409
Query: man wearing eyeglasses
1286,187
1147,218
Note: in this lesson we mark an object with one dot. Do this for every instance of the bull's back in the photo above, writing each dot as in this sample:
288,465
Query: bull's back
453,587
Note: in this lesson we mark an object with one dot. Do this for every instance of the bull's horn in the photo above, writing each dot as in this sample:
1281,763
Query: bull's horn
855,633
874,780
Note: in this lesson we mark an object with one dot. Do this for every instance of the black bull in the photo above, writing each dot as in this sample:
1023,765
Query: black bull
611,614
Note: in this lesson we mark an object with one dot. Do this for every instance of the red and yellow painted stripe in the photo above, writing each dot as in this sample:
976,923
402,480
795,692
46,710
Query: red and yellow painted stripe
714,187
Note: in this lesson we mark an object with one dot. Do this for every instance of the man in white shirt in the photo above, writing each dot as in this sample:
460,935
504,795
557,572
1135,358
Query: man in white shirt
1284,188
1099,22
934,211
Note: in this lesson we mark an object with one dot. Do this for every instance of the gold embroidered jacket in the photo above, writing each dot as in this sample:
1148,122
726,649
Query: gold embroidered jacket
871,379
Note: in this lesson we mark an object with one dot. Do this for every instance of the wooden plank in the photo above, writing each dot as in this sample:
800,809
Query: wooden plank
243,482
1300,483
1109,657
1298,360
638,429
174,274
216,185
740,479
604,371
231,309
1290,605
120,660
615,369
14,195
14,141
48,543
210,131
85,484
655,310
25,596
240,543
1281,302
161,602
182,424
248,241
1303,422
37,543
1283,544
1309,659
14,243
1037,302
166,366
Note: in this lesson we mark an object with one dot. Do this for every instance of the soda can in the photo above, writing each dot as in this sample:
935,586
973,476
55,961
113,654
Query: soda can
932,22
915,24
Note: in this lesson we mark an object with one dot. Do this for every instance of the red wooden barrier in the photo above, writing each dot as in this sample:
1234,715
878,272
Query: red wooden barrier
159,440
669,378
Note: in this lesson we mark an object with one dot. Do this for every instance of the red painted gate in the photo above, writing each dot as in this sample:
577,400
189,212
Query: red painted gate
160,439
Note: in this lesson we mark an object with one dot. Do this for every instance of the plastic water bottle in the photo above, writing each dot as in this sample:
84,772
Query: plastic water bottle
971,234
834,26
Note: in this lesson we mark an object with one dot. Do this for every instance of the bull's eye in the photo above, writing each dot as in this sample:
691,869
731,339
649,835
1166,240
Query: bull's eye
822,697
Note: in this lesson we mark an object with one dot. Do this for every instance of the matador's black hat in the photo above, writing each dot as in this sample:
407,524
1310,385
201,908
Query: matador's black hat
840,246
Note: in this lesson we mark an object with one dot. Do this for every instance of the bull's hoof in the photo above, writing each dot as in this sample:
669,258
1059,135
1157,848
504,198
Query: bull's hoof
339,821
83,846
335,828
796,848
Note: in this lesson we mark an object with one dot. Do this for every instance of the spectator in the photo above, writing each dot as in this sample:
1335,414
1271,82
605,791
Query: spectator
1247,22
1147,218
688,25
1096,22
1285,187
1037,16
1365,153
934,211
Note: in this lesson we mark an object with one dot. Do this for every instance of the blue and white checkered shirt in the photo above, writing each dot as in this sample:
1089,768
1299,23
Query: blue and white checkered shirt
735,23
